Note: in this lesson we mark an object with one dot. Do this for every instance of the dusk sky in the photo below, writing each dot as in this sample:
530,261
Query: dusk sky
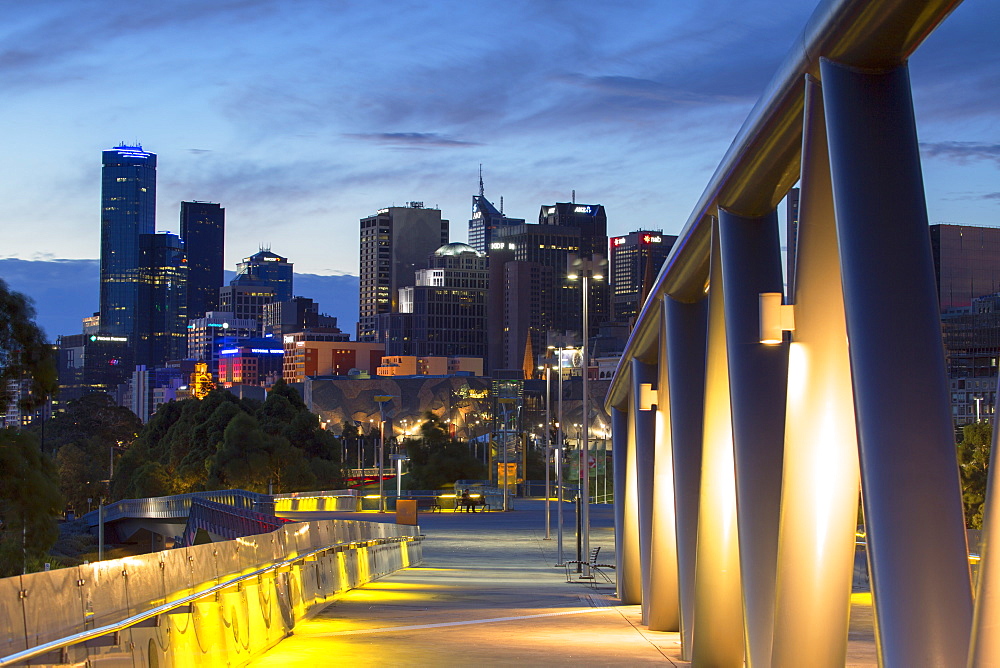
302,117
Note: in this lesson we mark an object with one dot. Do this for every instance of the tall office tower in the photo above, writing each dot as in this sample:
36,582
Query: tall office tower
261,279
268,269
485,220
161,316
590,219
203,230
444,314
395,242
297,315
634,264
128,209
966,263
521,299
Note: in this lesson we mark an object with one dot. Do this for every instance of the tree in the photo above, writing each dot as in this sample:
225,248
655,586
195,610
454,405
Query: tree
26,358
436,460
974,461
30,503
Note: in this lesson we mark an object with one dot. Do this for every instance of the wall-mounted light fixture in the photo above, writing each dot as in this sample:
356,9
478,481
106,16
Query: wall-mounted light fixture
647,396
775,318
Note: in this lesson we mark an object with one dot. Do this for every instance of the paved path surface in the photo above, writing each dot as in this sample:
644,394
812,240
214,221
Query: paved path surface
488,594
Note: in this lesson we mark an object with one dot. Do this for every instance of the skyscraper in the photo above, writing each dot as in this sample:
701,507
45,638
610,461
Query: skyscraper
261,279
128,209
265,268
203,230
395,242
486,219
161,316
635,263
444,313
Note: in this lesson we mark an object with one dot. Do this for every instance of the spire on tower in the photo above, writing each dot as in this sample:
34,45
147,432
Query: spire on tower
481,189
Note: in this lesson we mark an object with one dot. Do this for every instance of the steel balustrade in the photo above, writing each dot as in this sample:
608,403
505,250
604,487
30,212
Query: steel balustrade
769,446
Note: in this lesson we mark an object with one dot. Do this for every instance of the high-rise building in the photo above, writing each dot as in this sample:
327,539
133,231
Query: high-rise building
634,264
128,209
444,313
486,218
215,331
266,269
966,263
297,315
261,279
161,316
395,242
590,219
203,230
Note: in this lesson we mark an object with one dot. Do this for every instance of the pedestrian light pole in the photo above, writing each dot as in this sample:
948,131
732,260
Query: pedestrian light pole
548,446
559,346
381,400
585,270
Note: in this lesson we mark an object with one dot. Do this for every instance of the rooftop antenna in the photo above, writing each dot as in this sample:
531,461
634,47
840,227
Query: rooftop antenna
501,205
574,195
481,189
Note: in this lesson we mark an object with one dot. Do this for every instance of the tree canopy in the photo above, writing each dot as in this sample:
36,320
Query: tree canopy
25,355
436,460
222,442
974,462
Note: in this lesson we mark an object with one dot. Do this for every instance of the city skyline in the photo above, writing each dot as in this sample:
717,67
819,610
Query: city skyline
300,121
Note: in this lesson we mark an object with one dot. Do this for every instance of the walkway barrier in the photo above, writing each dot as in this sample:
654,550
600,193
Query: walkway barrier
748,420
214,604
333,500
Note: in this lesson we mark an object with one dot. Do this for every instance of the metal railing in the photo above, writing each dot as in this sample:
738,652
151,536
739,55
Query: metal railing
227,583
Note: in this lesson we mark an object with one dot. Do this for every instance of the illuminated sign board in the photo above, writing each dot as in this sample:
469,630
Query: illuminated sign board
267,351
229,351
651,239
271,259
582,209
618,241
116,339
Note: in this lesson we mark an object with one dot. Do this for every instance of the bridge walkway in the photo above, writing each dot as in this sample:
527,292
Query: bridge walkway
488,593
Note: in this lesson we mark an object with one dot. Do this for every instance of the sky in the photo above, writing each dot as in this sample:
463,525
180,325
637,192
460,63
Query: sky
302,117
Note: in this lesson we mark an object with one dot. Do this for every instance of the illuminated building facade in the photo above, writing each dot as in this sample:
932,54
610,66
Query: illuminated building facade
444,313
92,363
203,230
266,269
634,263
313,354
128,209
251,362
395,242
161,321
213,332
486,219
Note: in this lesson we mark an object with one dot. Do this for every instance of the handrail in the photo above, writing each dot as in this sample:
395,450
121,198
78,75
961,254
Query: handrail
762,162
115,627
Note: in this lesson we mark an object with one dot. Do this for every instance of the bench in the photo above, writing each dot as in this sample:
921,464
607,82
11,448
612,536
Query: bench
427,503
592,566
471,503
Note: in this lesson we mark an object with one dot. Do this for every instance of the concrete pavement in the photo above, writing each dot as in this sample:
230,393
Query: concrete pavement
488,593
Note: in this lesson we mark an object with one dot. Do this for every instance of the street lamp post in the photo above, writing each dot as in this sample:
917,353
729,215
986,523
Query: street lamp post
559,345
586,270
380,399
548,446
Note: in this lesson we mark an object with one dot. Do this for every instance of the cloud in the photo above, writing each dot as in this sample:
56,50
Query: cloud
412,139
962,152
199,151
991,196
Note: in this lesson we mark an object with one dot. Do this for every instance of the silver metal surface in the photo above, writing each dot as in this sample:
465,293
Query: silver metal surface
751,264
762,162
909,471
